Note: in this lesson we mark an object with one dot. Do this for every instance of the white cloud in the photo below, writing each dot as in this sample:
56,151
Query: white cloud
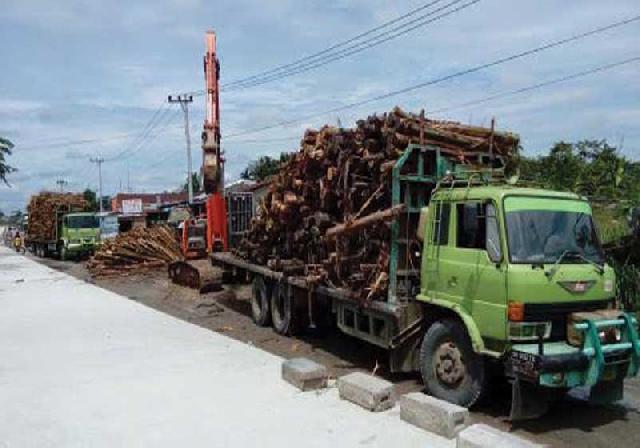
114,64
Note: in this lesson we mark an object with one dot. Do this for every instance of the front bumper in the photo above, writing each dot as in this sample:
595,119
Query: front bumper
81,248
560,365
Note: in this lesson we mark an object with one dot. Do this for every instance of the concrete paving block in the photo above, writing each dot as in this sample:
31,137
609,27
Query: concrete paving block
434,415
484,436
370,392
304,373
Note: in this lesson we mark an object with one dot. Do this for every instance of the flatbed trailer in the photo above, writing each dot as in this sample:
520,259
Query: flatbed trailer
395,324
298,303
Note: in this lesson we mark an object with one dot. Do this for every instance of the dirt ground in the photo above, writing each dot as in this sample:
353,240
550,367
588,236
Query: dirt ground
573,422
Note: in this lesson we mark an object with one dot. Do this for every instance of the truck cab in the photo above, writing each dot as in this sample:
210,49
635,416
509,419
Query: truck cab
78,235
523,273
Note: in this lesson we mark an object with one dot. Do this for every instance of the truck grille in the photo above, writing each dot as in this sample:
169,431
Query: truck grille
558,313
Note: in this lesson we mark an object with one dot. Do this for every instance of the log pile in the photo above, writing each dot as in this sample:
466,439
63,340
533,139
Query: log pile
135,251
42,211
327,215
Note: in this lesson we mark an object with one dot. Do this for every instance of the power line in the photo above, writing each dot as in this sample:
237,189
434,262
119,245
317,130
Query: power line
441,79
357,47
157,116
330,55
335,46
540,85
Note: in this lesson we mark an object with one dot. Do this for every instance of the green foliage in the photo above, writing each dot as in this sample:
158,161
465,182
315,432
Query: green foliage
264,167
611,222
195,183
591,168
6,147
627,284
92,201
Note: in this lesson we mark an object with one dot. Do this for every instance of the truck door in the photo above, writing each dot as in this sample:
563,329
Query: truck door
436,244
468,276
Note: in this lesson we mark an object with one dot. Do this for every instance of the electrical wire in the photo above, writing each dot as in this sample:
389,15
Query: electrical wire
441,79
581,74
329,55
358,47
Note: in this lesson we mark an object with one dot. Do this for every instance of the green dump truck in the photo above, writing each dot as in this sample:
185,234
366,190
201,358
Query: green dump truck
482,273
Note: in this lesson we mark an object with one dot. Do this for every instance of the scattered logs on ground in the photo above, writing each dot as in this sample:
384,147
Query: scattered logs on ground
135,251
327,215
44,209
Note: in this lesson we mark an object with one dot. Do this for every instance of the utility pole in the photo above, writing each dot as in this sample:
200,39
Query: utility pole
99,161
184,101
61,183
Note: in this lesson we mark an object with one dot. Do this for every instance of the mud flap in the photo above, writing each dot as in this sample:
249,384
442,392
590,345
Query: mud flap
528,400
607,392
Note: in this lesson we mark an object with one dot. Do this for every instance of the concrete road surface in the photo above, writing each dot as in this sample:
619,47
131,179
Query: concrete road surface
82,366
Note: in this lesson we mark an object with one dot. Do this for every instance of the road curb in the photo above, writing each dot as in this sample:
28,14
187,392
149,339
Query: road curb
304,374
432,414
370,392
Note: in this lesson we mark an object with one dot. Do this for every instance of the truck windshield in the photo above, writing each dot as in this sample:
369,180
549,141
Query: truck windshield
542,236
82,222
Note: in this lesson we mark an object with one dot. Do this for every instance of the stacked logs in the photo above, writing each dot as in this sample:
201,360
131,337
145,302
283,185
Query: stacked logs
135,251
327,215
43,209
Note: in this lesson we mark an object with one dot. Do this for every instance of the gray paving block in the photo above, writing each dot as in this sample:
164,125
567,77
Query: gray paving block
304,373
484,436
370,392
434,415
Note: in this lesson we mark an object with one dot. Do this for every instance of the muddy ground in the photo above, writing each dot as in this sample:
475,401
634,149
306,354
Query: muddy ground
572,422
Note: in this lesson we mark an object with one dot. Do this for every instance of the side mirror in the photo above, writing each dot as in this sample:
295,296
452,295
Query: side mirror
492,243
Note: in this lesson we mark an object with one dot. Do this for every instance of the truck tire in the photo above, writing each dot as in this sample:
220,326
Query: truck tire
450,369
282,309
63,253
260,297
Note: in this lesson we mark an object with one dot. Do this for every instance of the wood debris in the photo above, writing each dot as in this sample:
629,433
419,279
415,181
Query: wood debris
328,212
135,251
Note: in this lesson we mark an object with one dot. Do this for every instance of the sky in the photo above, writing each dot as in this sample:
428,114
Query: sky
80,70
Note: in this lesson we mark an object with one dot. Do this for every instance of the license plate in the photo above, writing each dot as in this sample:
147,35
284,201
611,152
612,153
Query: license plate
525,364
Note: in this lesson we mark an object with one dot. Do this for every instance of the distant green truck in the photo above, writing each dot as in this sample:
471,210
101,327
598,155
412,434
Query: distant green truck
59,226
481,274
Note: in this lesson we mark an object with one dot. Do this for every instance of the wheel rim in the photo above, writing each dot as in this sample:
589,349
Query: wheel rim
448,365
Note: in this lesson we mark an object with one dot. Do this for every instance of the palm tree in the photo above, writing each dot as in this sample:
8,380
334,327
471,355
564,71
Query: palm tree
5,150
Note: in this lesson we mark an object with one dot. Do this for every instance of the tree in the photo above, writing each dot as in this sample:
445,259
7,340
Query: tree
264,167
91,199
6,147
589,167
195,183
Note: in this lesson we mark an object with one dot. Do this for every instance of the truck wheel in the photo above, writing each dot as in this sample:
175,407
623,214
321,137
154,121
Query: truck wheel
260,301
282,309
63,253
450,369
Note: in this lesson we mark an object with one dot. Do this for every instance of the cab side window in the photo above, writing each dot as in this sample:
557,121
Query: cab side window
471,225
441,224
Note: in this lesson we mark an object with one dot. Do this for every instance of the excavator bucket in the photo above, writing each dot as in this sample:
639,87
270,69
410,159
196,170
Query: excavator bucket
196,274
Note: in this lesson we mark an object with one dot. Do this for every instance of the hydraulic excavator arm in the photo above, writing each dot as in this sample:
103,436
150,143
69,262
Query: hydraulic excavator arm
212,160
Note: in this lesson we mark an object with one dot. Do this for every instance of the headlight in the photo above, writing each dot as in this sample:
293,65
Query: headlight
528,331
610,335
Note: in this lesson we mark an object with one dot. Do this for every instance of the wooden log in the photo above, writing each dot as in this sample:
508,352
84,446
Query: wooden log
355,225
